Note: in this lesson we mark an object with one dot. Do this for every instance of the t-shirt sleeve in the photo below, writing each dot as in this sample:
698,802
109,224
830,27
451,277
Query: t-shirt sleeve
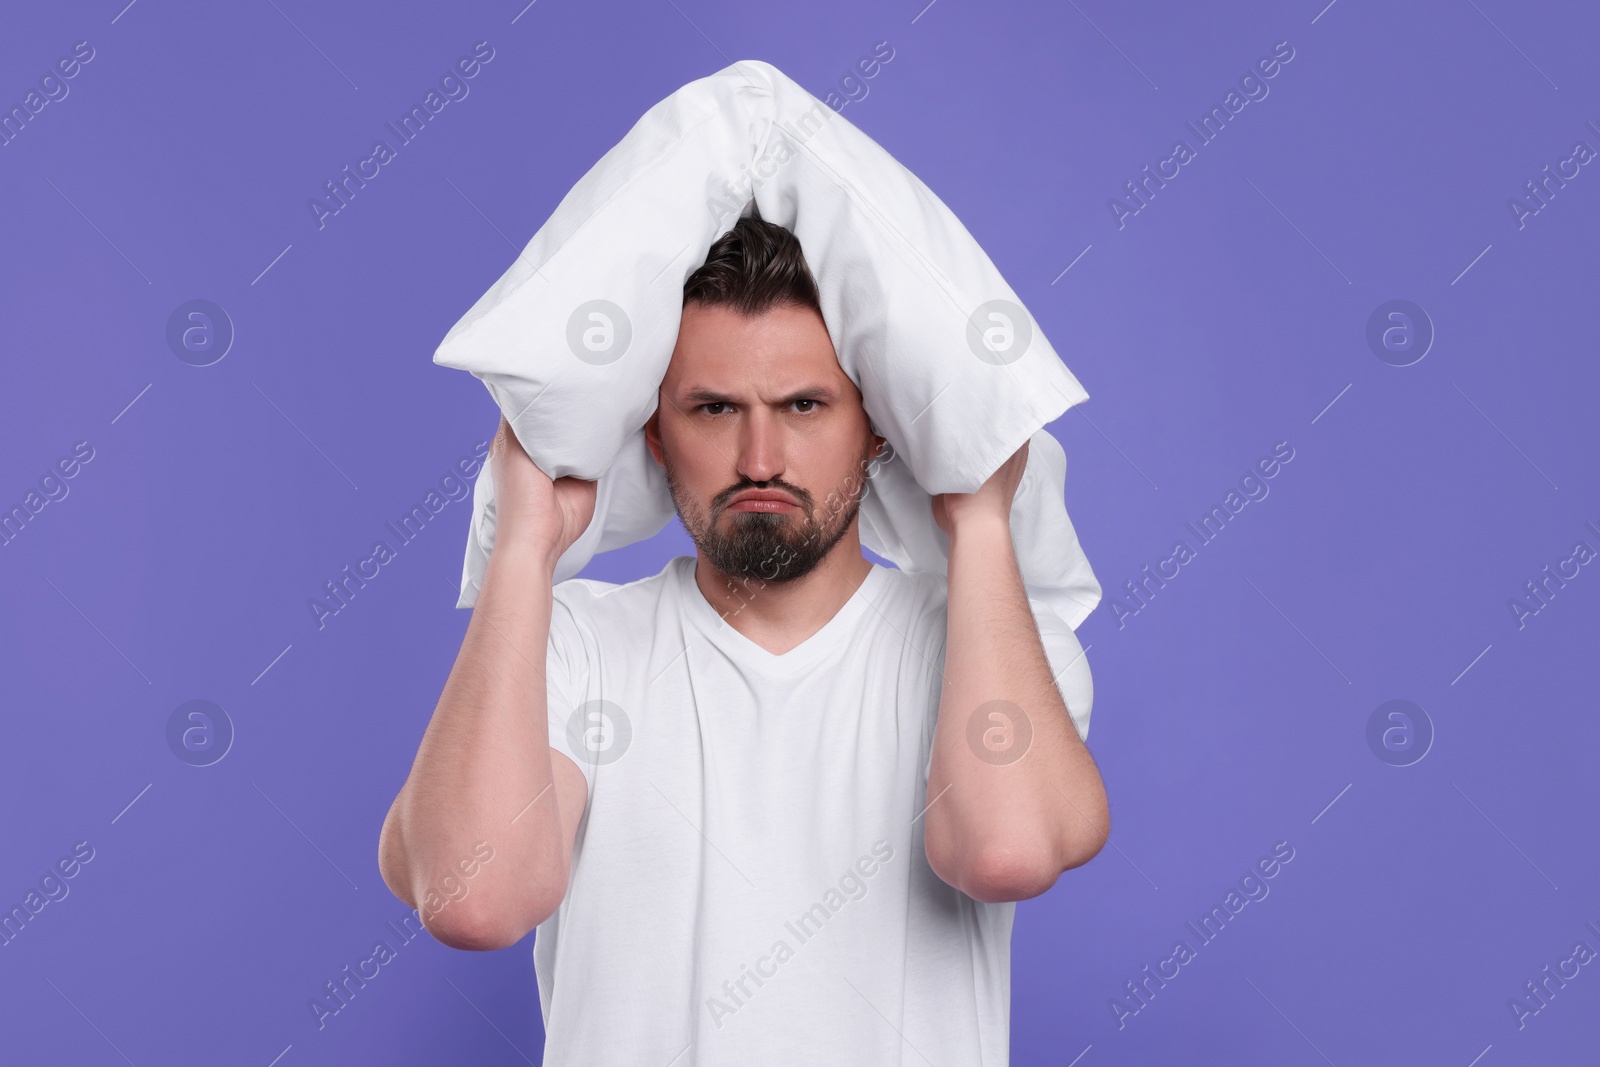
566,674
1068,666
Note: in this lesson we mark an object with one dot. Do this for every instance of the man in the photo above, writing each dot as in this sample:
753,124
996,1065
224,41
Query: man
772,805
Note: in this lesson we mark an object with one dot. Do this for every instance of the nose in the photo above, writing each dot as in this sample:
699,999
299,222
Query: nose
761,446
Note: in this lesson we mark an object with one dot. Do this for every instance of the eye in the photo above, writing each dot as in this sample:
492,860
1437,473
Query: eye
811,406
714,404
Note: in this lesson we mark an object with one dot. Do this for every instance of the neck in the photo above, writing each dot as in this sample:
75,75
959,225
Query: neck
780,615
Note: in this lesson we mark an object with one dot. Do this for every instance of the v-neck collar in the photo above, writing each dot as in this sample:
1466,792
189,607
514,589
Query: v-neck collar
745,651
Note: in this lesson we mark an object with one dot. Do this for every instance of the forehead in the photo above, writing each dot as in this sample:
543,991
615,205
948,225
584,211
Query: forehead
719,347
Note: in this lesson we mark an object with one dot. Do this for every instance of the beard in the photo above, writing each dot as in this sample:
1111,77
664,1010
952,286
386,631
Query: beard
763,545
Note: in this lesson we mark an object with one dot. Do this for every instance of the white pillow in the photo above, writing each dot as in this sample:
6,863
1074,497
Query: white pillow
574,338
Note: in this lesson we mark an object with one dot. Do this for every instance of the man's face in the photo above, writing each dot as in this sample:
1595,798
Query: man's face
763,439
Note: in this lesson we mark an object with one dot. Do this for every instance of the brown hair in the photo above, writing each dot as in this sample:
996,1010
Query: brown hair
752,268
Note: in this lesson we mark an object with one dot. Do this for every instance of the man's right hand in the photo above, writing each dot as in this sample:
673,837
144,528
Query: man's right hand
485,773
531,509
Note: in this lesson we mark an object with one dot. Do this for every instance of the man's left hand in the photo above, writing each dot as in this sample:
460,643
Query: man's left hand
992,500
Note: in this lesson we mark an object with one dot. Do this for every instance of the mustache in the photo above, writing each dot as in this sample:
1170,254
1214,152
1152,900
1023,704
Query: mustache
720,501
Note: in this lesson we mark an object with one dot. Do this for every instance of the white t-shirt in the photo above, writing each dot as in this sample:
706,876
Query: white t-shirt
749,885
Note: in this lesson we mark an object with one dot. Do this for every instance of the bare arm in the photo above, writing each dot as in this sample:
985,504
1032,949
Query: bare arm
1016,799
485,780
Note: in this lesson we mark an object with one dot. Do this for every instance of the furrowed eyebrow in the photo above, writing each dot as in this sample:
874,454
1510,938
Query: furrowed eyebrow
705,395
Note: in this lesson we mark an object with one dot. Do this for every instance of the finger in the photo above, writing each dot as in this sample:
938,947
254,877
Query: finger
512,444
498,446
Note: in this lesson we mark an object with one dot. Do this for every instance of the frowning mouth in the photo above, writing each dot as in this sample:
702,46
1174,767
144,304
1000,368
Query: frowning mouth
767,500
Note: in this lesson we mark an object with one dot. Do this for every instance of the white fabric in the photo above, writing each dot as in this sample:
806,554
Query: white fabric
731,789
907,295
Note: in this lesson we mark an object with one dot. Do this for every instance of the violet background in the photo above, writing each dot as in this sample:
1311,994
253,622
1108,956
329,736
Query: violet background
1230,713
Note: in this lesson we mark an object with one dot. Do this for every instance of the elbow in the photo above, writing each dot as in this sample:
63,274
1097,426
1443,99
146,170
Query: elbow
1085,844
479,928
986,866
1008,874
482,918
1020,869
392,859
483,921
998,872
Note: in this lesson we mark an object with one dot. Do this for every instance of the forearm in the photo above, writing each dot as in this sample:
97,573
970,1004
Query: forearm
483,770
1016,799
